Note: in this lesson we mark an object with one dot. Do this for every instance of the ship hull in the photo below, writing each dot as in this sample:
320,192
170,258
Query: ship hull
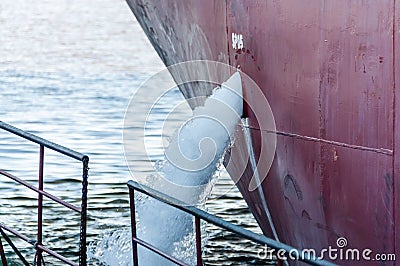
328,70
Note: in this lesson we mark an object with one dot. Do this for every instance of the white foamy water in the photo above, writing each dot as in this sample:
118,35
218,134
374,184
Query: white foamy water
190,162
186,172
113,249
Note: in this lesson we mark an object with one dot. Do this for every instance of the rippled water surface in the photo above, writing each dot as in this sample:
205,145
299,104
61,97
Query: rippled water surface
68,69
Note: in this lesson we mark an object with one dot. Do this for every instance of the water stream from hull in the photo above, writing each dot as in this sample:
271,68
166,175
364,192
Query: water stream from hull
186,173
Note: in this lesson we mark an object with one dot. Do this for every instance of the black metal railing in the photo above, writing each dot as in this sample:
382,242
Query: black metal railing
198,216
82,210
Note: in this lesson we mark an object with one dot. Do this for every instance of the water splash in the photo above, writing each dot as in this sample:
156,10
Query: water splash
186,173
191,161
114,249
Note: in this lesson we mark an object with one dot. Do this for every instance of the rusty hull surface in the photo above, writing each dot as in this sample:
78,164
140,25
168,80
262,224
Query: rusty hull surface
329,70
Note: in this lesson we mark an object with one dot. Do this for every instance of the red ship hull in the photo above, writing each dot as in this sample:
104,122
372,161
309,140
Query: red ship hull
329,70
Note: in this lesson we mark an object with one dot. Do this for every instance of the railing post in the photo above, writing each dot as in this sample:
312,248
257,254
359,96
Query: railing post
82,248
133,226
40,207
38,244
2,254
198,241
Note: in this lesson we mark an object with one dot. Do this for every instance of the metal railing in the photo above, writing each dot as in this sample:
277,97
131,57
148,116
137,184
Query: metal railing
82,210
198,216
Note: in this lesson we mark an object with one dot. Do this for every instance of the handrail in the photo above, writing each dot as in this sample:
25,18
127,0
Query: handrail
44,193
41,141
82,210
219,222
